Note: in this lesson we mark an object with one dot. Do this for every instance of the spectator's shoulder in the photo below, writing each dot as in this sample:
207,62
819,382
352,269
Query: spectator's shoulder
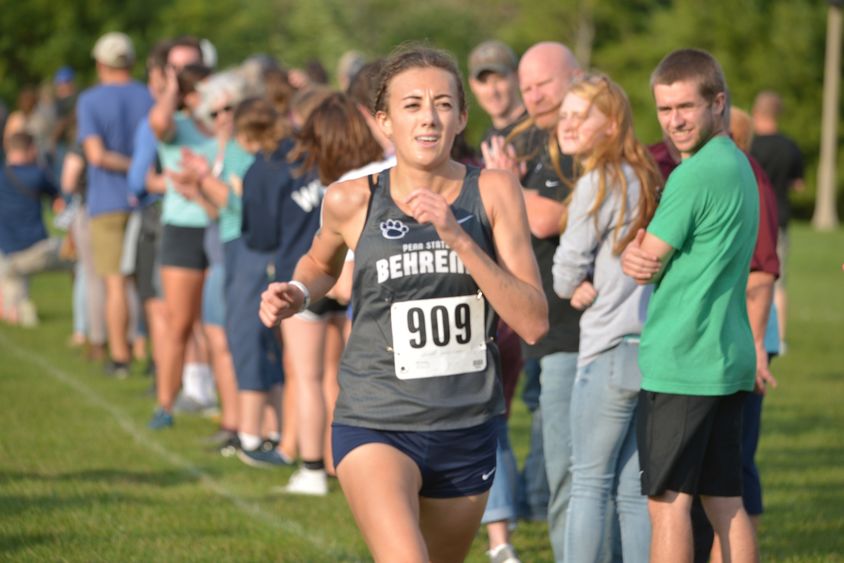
141,91
85,96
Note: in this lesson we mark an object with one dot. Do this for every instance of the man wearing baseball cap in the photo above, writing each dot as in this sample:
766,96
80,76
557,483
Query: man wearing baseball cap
495,85
107,115
494,81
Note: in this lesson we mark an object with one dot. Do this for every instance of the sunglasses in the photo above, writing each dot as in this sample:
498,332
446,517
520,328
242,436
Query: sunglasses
217,112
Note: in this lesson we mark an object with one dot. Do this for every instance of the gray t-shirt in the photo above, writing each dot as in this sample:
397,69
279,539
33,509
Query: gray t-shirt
586,250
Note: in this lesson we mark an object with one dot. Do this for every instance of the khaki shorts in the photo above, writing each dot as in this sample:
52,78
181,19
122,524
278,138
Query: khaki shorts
107,233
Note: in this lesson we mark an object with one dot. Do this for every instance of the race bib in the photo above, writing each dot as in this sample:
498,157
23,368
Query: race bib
437,337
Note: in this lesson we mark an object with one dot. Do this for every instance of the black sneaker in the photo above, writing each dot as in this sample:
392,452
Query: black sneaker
117,370
231,447
219,438
258,458
268,445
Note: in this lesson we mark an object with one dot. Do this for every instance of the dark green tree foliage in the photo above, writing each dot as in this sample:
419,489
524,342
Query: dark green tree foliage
776,44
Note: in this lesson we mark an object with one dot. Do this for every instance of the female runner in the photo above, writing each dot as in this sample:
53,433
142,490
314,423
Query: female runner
416,421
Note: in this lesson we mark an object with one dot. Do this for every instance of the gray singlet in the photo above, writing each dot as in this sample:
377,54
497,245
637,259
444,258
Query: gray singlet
422,354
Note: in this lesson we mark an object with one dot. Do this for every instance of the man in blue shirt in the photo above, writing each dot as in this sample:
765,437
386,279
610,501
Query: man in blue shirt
108,115
24,246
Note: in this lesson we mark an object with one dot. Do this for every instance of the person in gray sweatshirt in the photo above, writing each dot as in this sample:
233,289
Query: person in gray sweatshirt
614,196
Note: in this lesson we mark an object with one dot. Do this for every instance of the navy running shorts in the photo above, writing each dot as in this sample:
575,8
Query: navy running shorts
453,463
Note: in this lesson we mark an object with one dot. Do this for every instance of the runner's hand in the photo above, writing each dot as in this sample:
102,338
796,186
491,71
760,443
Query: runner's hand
429,207
279,301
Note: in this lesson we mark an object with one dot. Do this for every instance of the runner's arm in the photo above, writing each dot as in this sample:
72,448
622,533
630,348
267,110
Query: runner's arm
319,269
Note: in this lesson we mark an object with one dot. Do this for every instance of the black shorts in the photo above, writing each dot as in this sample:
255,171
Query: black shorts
183,247
327,306
690,443
146,259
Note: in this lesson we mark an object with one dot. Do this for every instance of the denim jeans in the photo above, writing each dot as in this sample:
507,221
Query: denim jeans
80,321
501,504
558,373
532,487
604,453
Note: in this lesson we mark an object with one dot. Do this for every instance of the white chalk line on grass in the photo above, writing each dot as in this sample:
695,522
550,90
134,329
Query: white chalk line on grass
140,438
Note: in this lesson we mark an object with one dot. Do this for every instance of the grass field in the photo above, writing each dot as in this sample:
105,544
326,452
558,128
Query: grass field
82,479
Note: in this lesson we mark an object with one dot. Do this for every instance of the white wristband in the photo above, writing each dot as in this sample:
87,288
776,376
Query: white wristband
301,287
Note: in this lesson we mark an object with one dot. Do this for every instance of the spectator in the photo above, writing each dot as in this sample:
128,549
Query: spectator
25,119
175,122
218,187
107,116
614,196
545,71
147,183
697,250
782,162
64,128
266,395
348,66
764,268
86,280
25,248
362,91
334,140
494,82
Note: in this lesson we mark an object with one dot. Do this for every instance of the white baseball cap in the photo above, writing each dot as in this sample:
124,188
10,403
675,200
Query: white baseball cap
114,49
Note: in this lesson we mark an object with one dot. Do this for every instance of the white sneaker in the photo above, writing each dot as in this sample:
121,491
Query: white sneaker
27,316
503,553
307,482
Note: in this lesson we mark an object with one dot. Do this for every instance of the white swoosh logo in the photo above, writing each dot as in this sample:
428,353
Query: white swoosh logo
486,476
464,219
551,183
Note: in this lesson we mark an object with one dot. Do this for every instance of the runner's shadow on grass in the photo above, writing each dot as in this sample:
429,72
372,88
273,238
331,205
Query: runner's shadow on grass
812,531
170,478
14,506
10,543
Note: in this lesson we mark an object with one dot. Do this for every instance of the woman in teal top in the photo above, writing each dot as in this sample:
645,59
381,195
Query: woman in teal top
175,122
213,179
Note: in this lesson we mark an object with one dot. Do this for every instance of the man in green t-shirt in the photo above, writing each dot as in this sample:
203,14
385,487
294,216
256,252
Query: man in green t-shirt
697,355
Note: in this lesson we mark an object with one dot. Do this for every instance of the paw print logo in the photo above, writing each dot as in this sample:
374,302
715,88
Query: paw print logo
393,229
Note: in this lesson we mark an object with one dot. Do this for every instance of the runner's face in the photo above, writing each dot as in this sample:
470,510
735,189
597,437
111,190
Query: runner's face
496,93
582,126
687,119
423,115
